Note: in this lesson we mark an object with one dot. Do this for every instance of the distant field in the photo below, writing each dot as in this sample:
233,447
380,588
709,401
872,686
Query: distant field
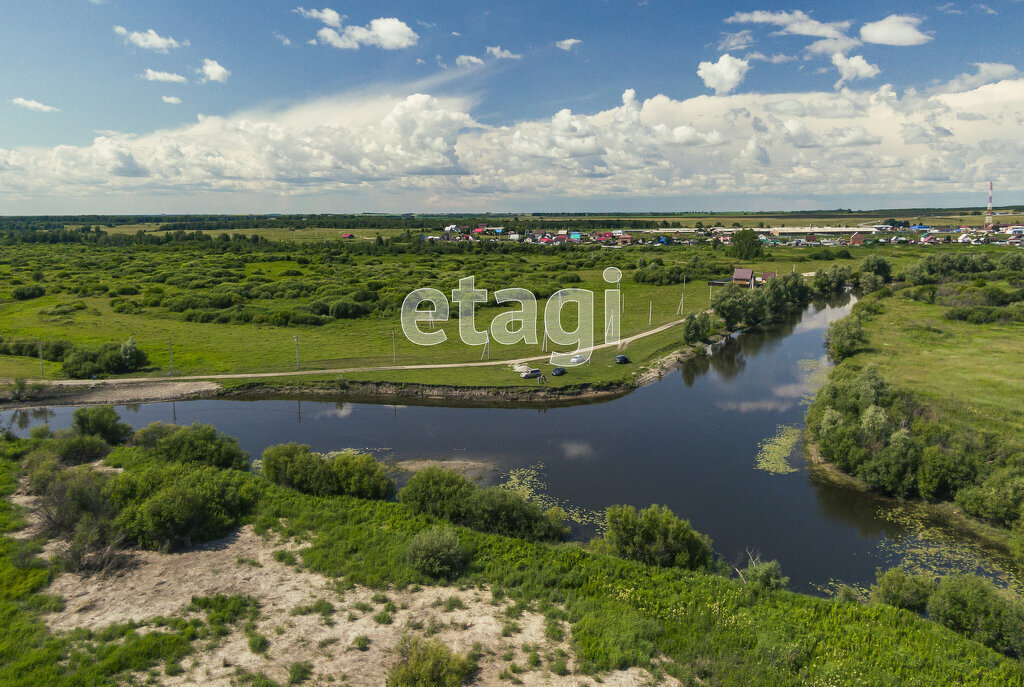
970,372
93,279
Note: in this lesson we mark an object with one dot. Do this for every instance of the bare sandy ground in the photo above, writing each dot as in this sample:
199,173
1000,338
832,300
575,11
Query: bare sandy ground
86,393
162,584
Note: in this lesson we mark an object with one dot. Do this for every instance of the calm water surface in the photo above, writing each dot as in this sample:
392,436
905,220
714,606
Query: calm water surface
689,442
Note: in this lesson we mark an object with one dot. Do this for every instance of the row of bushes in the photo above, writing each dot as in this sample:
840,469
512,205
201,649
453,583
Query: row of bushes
81,362
967,604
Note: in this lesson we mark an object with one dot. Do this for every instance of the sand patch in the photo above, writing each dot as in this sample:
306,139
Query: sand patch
162,584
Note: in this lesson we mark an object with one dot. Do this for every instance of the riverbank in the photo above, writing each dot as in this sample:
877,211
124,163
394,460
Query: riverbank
129,391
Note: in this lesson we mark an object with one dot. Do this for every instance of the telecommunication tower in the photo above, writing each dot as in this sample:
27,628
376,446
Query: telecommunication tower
988,214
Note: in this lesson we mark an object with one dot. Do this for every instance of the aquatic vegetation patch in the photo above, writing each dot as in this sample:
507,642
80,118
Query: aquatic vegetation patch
530,484
773,453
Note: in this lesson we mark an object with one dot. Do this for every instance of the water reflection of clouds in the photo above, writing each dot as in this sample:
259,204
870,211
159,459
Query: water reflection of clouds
818,320
577,449
339,411
790,390
764,405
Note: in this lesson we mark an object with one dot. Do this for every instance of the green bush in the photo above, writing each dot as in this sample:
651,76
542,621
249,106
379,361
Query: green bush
112,358
446,494
429,662
70,496
202,444
436,553
437,492
765,576
41,467
101,421
169,506
360,475
973,607
896,588
844,337
293,465
24,293
655,536
75,449
148,436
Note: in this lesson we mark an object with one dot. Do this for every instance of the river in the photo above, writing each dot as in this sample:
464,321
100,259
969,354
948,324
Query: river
689,442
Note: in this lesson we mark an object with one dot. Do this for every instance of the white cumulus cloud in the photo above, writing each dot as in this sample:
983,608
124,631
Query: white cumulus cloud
896,29
498,53
468,61
985,72
213,71
172,100
33,105
148,40
386,33
326,15
795,23
285,40
725,75
568,43
852,68
165,77
736,41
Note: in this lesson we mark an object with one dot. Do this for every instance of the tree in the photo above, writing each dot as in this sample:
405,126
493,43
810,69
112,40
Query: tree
657,537
843,337
746,245
730,304
202,444
101,421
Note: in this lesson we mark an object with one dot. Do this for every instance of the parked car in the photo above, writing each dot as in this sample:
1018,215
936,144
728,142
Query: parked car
558,372
622,359
577,359
531,374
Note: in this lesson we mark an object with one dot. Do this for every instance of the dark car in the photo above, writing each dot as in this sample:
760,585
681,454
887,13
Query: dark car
558,372
622,359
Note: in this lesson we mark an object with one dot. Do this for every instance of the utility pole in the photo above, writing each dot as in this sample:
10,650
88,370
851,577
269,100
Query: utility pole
394,349
41,372
170,350
296,352
650,313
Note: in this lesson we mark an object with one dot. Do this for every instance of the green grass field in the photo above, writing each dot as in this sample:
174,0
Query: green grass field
969,372
90,277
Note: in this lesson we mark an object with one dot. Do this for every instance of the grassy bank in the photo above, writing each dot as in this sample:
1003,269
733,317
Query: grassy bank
930,404
701,628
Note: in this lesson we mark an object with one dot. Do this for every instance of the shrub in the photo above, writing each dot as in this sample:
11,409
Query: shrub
300,672
446,494
973,607
148,436
293,465
437,492
41,468
844,337
71,495
24,293
876,265
896,588
101,421
765,576
202,444
168,506
429,662
86,363
75,449
436,553
360,475
657,537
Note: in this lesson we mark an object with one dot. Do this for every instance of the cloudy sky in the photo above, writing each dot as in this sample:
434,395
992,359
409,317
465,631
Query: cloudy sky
117,106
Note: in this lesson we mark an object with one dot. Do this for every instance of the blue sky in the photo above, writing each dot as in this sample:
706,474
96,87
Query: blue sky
127,106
